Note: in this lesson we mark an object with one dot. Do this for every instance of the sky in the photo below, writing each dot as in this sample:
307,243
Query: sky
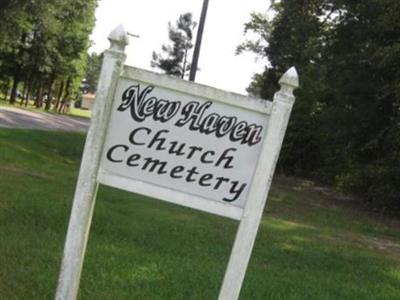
223,32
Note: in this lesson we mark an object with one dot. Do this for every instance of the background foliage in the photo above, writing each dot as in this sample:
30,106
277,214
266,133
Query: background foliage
345,127
43,48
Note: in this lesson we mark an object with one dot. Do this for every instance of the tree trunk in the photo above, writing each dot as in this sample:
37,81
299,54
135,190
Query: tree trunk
39,94
49,92
17,70
23,93
14,88
6,90
28,92
66,95
184,63
60,92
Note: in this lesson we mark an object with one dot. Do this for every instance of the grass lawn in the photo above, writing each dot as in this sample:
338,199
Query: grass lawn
17,104
309,246
75,112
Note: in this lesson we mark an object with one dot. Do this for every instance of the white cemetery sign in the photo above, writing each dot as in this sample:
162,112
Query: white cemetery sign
179,142
198,149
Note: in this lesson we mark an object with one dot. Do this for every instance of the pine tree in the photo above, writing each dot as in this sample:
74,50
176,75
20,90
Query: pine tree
174,58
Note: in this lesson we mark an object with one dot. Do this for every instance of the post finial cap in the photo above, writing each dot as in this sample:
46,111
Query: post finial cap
118,38
290,78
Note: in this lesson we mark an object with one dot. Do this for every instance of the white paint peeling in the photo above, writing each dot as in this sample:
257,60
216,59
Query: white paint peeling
86,187
246,234
275,116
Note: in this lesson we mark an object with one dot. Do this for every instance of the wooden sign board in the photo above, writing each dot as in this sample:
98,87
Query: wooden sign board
195,149
180,142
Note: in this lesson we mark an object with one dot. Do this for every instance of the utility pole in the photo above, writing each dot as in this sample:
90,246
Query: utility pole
196,52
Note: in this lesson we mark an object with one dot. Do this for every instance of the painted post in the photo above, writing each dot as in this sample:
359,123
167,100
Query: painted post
246,234
86,187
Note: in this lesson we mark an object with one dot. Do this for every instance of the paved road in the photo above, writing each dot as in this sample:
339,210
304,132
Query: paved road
11,117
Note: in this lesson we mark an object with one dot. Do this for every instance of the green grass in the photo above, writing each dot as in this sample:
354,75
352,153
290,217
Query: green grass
75,112
17,104
83,113
309,246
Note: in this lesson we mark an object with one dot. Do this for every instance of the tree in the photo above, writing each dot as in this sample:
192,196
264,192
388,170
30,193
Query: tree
15,24
92,71
174,58
44,44
344,128
363,59
292,38
69,55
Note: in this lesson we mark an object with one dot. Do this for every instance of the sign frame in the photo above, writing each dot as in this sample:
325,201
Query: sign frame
90,173
170,195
